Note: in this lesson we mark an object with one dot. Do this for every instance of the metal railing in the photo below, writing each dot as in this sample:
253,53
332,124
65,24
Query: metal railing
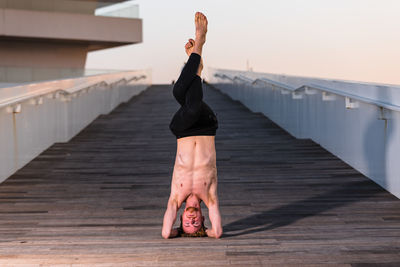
308,89
10,97
356,121
33,116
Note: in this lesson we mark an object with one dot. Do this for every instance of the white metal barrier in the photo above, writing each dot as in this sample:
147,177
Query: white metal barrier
357,122
35,116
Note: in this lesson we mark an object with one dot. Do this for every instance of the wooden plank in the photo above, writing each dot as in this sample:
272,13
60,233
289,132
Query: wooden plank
99,199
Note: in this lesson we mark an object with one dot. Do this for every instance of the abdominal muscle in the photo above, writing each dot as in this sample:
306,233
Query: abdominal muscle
195,168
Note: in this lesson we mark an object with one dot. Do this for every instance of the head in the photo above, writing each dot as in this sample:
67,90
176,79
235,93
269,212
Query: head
192,222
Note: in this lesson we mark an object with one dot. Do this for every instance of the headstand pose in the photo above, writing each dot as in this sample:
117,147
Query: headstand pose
195,173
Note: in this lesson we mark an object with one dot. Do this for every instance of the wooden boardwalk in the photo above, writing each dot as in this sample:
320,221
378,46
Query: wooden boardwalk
99,199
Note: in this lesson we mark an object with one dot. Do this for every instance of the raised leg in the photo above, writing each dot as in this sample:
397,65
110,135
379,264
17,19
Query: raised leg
186,78
201,30
190,111
194,65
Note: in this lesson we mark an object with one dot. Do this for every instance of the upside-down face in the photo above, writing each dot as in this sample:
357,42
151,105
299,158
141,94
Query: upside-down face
192,220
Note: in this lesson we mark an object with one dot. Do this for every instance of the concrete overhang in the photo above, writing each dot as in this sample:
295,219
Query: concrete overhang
97,32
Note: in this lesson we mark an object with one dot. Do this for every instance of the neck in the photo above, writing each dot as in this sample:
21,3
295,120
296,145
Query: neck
193,201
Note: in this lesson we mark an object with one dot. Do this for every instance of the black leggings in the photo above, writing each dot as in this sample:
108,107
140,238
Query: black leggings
189,94
194,117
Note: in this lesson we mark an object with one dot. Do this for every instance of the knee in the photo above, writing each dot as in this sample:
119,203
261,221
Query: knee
194,109
179,93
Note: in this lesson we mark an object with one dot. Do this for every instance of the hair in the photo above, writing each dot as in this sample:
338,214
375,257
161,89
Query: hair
200,233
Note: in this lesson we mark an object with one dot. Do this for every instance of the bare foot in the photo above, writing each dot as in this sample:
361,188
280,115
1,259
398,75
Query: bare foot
189,46
200,21
196,46
189,49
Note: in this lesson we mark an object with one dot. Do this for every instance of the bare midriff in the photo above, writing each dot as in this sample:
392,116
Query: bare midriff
195,171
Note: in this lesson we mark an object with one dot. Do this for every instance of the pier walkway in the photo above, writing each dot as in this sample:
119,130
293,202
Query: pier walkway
99,199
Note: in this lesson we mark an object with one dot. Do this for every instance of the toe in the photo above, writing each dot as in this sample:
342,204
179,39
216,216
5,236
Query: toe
203,18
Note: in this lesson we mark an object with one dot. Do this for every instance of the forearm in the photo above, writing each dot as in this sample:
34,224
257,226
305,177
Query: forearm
167,224
216,225
169,220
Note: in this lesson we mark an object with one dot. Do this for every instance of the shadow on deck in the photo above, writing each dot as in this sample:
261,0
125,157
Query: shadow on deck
99,199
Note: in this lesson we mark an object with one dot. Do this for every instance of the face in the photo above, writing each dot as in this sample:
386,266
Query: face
192,220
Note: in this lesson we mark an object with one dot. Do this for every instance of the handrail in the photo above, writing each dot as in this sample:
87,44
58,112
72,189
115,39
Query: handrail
273,83
223,76
242,78
306,87
66,86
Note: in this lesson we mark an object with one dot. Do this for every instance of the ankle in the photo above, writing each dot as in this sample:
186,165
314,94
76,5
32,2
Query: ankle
200,69
200,39
198,48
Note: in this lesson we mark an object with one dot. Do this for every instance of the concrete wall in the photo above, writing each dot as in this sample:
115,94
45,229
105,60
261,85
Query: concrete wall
69,26
34,61
32,125
362,130
69,6
41,45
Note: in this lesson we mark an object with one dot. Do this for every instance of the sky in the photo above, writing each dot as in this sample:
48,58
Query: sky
355,40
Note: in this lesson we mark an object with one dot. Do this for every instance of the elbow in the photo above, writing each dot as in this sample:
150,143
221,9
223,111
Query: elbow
218,233
165,235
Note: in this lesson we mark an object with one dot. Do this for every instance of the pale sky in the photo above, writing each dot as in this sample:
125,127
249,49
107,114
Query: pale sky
342,39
